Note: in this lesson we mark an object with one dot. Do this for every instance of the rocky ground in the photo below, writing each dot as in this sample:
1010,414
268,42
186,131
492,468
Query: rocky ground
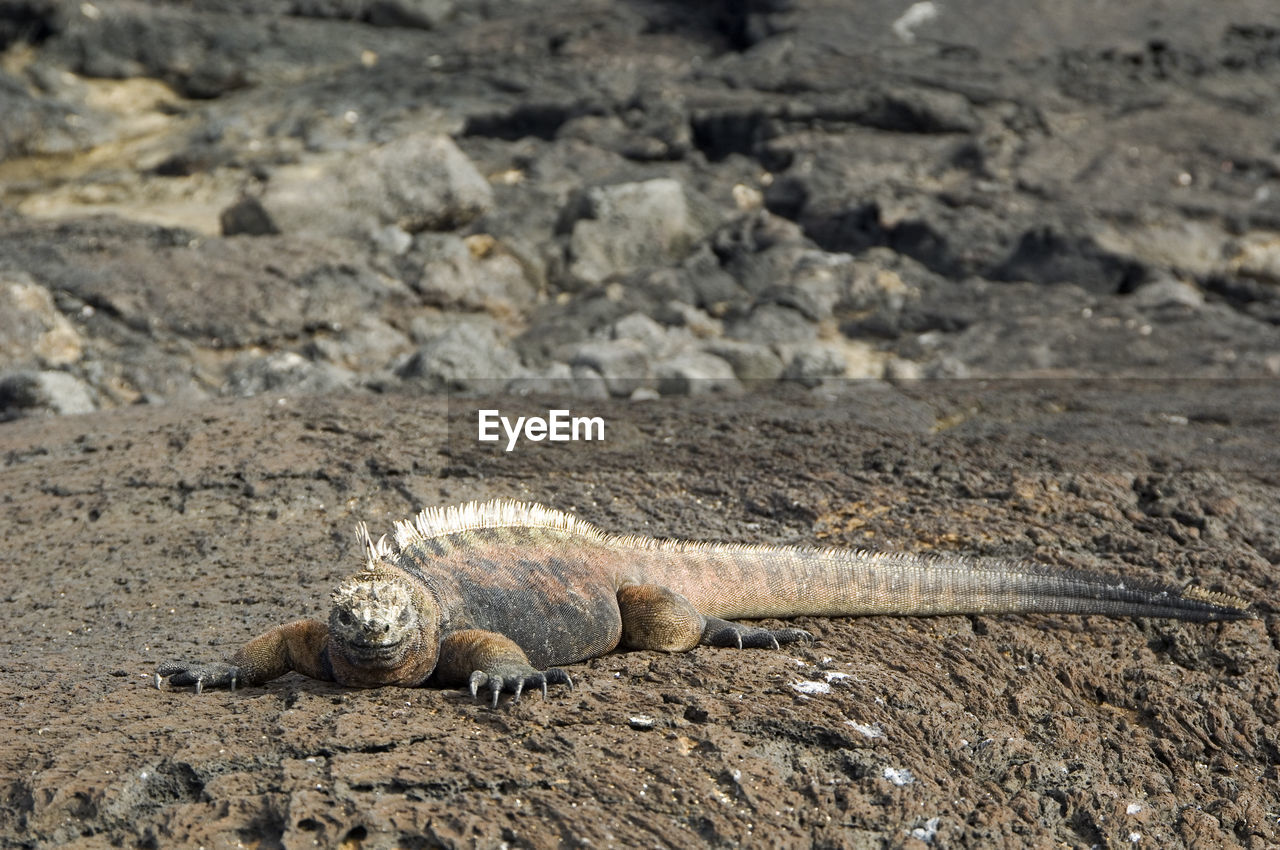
628,195
902,254
136,536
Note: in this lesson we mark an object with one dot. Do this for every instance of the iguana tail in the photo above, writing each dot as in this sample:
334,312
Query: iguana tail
732,581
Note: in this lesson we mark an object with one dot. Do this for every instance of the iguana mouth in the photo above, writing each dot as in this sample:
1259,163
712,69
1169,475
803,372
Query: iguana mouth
365,652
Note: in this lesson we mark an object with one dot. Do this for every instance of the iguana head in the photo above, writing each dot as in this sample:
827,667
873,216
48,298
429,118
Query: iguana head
374,621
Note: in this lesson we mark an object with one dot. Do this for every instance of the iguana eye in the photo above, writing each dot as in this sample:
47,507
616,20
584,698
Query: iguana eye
344,617
405,613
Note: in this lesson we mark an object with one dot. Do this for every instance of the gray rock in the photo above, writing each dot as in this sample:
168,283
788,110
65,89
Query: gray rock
247,217
558,379
897,370
38,125
1167,291
33,333
392,240
695,373
365,346
653,127
1050,255
470,274
817,281
697,322
622,363
1254,255
620,228
417,182
420,14
223,47
771,324
641,329
947,368
706,283
884,282
120,279
471,356
285,372
759,250
750,361
428,326
25,393
920,110
811,364
589,383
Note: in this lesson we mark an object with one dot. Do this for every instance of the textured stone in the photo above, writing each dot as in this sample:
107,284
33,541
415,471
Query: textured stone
816,282
1167,291
424,14
697,322
471,356
771,324
416,182
1255,255
810,364
622,363
620,228
285,372
28,392
366,346
642,329
470,274
750,361
32,331
695,373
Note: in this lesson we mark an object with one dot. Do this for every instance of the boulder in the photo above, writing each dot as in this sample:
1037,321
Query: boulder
27,392
32,331
695,373
417,182
627,226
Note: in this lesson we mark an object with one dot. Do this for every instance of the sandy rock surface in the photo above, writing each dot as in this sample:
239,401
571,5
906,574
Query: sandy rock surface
993,277
177,532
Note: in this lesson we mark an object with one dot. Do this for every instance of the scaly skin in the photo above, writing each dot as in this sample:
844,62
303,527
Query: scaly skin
494,594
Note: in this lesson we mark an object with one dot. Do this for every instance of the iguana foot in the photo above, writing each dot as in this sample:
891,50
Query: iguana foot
216,674
724,633
514,678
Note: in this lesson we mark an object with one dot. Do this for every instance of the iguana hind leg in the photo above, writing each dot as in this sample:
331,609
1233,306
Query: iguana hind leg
656,617
488,659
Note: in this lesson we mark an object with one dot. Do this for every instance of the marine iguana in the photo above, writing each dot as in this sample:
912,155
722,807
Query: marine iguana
493,594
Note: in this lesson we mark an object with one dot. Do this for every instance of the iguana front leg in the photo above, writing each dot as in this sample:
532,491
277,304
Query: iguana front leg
656,617
299,646
482,658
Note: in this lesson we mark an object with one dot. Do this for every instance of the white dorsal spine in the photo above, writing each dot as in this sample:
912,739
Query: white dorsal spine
498,513
510,513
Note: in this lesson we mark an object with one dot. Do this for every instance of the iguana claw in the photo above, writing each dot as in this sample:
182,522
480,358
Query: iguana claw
724,633
214,675
514,679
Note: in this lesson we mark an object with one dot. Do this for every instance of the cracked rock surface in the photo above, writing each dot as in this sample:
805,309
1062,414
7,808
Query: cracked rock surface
137,536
